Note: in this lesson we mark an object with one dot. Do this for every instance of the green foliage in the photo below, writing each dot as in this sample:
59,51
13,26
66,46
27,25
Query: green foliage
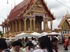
1,34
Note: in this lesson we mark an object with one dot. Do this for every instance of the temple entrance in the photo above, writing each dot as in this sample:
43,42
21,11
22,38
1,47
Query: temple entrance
27,25
38,23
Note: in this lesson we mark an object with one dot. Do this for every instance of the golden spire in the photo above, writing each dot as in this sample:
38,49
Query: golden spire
67,12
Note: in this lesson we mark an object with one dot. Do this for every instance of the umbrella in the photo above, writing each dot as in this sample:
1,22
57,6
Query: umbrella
36,34
53,33
23,35
44,34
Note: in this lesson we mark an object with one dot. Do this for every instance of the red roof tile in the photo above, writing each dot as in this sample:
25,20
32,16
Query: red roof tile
21,7
17,9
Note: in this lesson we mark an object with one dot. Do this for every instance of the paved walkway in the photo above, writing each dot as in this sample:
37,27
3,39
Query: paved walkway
61,49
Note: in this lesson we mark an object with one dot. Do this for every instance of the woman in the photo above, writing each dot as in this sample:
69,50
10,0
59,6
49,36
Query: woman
16,47
45,45
54,44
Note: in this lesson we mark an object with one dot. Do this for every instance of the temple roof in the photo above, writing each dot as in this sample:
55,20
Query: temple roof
66,19
22,8
62,20
18,9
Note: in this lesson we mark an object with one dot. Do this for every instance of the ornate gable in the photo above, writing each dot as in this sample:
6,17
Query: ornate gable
39,8
62,21
65,25
65,22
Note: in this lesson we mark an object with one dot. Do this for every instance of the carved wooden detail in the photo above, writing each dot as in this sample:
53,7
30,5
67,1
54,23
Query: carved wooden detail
37,8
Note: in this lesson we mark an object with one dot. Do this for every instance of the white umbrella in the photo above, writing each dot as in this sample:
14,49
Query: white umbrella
20,34
44,33
36,34
54,33
23,35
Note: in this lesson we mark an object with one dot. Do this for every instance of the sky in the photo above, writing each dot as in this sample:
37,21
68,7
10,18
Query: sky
58,8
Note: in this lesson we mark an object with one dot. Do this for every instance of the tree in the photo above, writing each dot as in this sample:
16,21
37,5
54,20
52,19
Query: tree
1,34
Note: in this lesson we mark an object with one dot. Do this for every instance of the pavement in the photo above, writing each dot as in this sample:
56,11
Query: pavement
61,49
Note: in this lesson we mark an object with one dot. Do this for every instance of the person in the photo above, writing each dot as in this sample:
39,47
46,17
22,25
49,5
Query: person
26,39
3,45
16,47
34,42
63,39
23,43
29,47
8,41
66,43
54,42
45,45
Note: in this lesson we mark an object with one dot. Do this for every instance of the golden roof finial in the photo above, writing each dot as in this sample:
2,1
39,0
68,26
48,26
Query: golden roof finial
67,12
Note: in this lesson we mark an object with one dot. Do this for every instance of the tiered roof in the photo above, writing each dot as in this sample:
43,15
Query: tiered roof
19,10
22,8
65,19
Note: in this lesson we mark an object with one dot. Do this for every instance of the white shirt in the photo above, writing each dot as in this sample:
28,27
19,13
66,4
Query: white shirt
12,50
41,50
34,42
31,50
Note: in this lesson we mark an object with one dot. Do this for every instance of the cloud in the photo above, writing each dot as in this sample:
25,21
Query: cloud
59,12
55,22
56,6
0,28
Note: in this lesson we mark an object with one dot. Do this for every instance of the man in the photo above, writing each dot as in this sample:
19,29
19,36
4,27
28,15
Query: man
16,47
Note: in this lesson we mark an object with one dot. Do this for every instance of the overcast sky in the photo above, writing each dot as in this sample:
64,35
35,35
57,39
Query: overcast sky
57,7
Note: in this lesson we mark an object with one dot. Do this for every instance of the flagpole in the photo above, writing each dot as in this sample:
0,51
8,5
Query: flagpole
14,3
7,1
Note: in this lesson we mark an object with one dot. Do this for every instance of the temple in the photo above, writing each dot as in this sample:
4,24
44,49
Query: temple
65,25
27,17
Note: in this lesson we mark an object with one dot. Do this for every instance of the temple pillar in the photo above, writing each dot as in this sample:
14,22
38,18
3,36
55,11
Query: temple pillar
30,24
12,27
7,28
34,24
3,29
24,24
45,25
16,26
19,25
51,24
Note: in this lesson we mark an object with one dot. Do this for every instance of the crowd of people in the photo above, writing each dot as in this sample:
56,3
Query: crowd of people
42,44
